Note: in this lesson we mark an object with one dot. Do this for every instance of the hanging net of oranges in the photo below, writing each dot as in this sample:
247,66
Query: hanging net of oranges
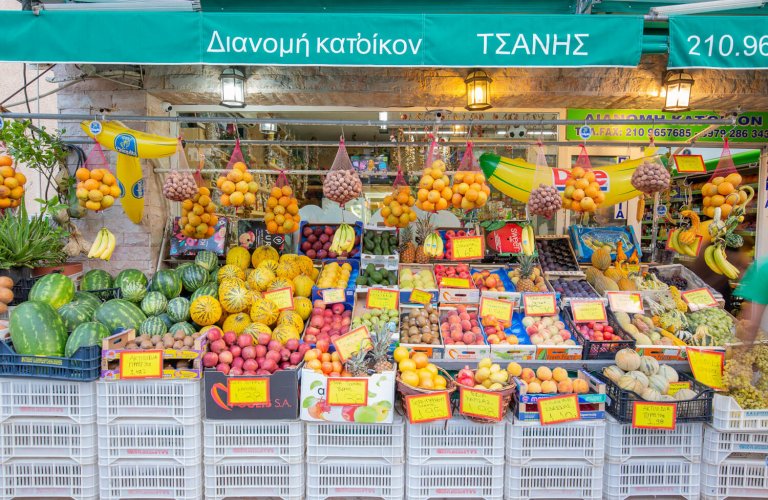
724,190
11,183
238,189
582,192
434,192
469,188
396,209
282,213
96,188
198,213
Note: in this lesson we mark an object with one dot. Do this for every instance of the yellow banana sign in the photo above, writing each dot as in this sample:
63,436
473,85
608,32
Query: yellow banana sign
515,177
131,182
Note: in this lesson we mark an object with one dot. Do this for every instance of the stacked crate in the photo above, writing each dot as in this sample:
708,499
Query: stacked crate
457,458
652,463
355,460
554,461
48,444
150,439
735,452
253,458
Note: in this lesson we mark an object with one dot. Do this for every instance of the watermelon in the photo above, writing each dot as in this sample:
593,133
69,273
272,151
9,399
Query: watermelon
193,277
88,298
53,289
178,309
153,326
37,330
133,291
154,303
130,276
182,326
75,314
183,265
167,282
166,319
207,260
85,335
211,289
119,314
96,279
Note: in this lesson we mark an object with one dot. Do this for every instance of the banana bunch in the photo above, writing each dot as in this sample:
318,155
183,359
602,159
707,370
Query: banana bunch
715,257
343,239
688,249
433,245
103,245
528,239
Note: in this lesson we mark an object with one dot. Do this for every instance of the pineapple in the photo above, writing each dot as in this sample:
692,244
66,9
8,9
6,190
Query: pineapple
525,283
423,228
381,343
407,249
357,364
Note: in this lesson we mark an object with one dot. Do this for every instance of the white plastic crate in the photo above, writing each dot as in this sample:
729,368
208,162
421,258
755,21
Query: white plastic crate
574,479
648,477
329,440
160,439
354,478
249,439
458,438
48,478
47,438
447,478
28,397
148,478
720,445
173,399
735,478
623,442
248,478
729,416
529,440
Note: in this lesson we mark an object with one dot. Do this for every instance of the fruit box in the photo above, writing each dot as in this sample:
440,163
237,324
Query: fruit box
348,306
364,267
317,292
565,299
434,351
360,308
456,295
499,273
447,234
379,396
553,352
599,349
522,351
570,262
283,390
405,292
304,240
586,240
462,352
367,257
591,404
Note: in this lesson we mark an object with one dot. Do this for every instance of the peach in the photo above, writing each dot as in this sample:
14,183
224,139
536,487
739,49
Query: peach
580,386
456,336
534,388
468,338
565,386
527,375
466,325
544,373
559,374
548,387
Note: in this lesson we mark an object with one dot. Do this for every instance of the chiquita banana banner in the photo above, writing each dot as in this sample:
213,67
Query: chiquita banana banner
515,177
130,145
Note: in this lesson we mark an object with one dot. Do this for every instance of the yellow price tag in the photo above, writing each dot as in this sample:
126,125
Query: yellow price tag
707,367
477,403
347,391
701,297
420,296
382,298
455,283
334,296
687,164
428,407
539,304
585,311
677,386
248,392
282,298
499,309
468,248
654,415
349,343
559,409
628,302
141,364
633,268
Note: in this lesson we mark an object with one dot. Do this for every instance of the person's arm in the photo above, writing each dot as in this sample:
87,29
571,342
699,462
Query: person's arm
749,321
753,288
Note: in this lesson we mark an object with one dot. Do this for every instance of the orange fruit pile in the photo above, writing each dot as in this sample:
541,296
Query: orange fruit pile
434,188
197,215
11,183
582,192
396,208
282,215
722,192
469,190
97,189
238,189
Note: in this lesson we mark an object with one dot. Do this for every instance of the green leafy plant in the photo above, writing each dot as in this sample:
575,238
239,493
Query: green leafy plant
30,241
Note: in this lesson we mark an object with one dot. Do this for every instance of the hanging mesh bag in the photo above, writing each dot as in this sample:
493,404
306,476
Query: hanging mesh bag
582,192
724,188
434,186
97,186
342,184
180,183
282,213
396,209
651,176
544,199
469,189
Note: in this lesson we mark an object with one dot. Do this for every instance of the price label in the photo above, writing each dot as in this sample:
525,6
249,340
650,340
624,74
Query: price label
661,416
499,309
382,298
455,283
248,392
628,302
420,296
700,297
633,268
347,391
479,403
539,304
585,311
468,248
707,366
687,164
428,407
677,386
559,409
141,364
349,343
334,296
282,298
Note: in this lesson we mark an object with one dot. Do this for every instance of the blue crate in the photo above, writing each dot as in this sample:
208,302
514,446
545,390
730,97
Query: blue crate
351,286
357,226
84,365
500,273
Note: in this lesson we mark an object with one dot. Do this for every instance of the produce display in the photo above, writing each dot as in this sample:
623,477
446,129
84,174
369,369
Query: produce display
534,278
238,189
645,377
421,279
12,185
495,331
372,275
488,375
447,238
198,218
396,208
547,330
233,354
380,242
414,369
487,280
6,293
460,326
451,271
334,275
362,363
651,176
555,254
582,192
97,189
331,242
179,186
376,319
573,288
420,325
745,377
597,331
545,201
327,323
470,190
434,188
282,212
545,380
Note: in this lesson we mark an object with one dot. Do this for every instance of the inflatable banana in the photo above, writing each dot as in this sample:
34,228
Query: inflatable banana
515,177
131,181
119,138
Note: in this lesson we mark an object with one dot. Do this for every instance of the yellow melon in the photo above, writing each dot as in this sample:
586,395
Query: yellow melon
305,264
230,271
287,270
271,265
303,306
260,279
236,323
292,318
303,285
206,310
278,283
254,329
264,311
264,253
284,332
239,256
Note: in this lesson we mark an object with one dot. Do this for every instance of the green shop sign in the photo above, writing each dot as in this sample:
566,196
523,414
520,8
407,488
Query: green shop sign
726,42
750,127
312,39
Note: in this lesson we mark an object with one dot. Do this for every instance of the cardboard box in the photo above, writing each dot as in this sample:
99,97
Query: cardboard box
369,258
283,396
405,293
317,292
252,233
591,405
181,245
434,351
462,352
380,400
378,267
450,295
358,228
112,347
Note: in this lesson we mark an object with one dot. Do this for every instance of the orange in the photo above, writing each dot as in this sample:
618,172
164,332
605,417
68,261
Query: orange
402,197
276,192
441,204
187,204
204,200
438,184
742,197
428,206
734,178
592,191
440,382
582,183
95,195
279,210
577,172
242,186
109,179
433,196
707,201
482,198
578,194
114,191
228,187
107,201
93,205
287,191
272,202
725,188
588,204
420,359
426,383
205,218
422,194
90,184
5,203
198,210
469,178
436,173
253,187
718,180
471,195
250,199
462,188
214,220
240,166
283,201
17,192
225,200
292,209
247,177
105,190
237,198
235,175
446,193
410,377
5,161
82,174
717,200
404,220
279,219
426,182
386,211
5,192
407,365
97,174
725,210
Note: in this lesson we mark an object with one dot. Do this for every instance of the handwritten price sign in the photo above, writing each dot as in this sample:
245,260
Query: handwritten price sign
455,282
699,297
539,304
585,311
347,391
628,302
661,416
689,164
479,403
707,367
674,387
334,296
499,309
428,407
420,296
559,409
248,392
141,364
468,248
282,298
382,298
349,343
